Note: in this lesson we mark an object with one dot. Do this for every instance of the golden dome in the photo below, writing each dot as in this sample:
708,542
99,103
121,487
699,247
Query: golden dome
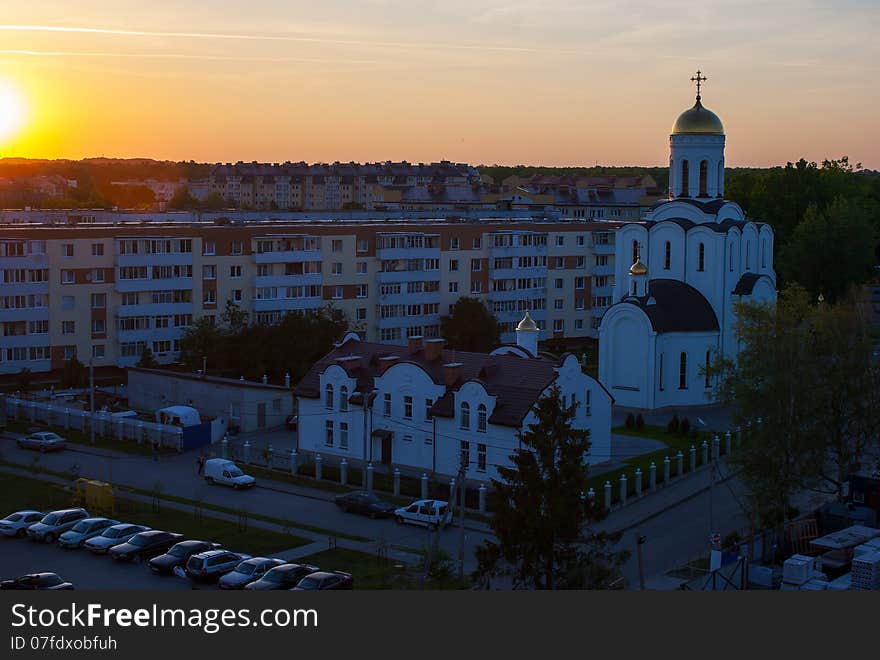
698,120
638,268
527,324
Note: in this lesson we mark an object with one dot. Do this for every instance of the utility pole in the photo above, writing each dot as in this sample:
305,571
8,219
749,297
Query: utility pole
92,399
640,541
461,491
204,366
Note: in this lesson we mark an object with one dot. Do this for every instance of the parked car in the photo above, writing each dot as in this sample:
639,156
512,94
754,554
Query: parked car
223,471
326,580
16,524
42,441
211,565
365,503
37,581
430,513
145,545
291,422
178,554
55,523
248,571
84,530
113,536
282,577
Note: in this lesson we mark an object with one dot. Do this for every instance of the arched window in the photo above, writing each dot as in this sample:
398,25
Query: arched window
465,415
748,254
720,179
685,188
701,258
635,251
731,258
682,371
588,403
667,260
763,254
660,375
481,418
704,178
328,397
635,289
708,366
343,398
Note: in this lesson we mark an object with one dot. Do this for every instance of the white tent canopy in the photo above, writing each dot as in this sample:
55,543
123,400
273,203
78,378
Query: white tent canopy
179,415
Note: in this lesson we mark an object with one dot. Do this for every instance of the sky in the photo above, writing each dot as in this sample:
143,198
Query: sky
541,82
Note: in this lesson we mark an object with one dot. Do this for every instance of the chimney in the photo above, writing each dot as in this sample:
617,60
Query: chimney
265,379
434,349
452,373
287,380
385,362
415,344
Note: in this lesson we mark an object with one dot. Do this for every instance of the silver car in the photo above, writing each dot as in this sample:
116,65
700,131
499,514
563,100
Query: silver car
111,536
42,441
84,530
16,524
55,523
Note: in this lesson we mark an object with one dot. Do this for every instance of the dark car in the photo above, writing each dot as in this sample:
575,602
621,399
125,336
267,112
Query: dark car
326,580
250,570
37,581
209,566
283,577
365,503
178,554
144,545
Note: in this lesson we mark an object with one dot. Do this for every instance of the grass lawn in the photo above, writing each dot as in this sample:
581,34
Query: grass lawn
18,492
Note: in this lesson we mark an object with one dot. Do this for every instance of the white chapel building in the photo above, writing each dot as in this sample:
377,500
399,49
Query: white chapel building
678,274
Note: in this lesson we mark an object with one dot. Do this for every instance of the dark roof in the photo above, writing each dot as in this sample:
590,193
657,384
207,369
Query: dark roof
516,382
675,307
746,284
217,380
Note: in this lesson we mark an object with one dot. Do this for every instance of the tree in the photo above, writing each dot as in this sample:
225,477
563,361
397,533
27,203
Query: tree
73,374
831,250
147,361
234,319
202,340
23,379
470,327
183,200
541,512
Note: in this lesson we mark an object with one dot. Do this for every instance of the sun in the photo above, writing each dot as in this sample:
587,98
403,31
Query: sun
12,110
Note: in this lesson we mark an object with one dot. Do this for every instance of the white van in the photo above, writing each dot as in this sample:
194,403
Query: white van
222,471
430,513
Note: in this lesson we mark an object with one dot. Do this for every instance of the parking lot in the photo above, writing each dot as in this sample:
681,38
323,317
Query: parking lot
82,568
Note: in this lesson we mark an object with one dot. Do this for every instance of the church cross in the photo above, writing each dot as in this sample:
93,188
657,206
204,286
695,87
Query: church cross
699,79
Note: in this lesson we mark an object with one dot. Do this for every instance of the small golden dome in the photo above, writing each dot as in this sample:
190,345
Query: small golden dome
698,120
527,324
638,268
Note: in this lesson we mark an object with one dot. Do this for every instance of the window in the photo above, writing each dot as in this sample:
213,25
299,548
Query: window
476,265
465,415
209,272
328,434
476,286
264,270
68,327
560,263
343,398
481,418
685,189
70,352
558,283
580,240
578,324
386,411
557,304
682,371
99,300
453,287
748,254
477,243
581,262
337,293
731,258
704,177
560,241
98,326
635,251
361,314
579,282
465,453
588,400
209,297
67,249
237,248
701,258
363,245
328,396
407,407
236,295
481,457
336,268
361,267
68,277
98,275
453,244
763,254
558,325
98,351
97,249
453,264
343,435
667,259
336,245
428,405
660,374
363,290
708,382
209,247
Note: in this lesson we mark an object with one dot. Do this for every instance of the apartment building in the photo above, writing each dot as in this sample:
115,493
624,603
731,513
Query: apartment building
106,292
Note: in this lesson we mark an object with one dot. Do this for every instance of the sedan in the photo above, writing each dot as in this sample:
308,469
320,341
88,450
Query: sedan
250,570
113,536
42,441
364,503
37,581
144,545
16,524
282,577
178,554
84,530
326,580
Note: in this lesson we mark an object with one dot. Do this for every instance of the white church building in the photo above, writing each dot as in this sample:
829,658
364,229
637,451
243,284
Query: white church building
428,408
678,274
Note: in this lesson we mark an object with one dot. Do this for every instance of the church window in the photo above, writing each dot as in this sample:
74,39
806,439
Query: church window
720,177
660,375
328,397
708,366
685,189
588,409
682,372
704,178
343,398
667,263
731,257
763,254
635,251
635,289
701,258
748,253
465,415
481,418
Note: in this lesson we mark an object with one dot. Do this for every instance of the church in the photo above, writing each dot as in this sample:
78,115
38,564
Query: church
678,274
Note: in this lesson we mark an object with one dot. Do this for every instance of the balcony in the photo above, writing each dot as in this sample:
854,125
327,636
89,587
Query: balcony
24,314
391,276
517,250
603,248
149,334
287,304
518,294
392,254
407,321
154,309
514,273
24,288
26,261
167,284
164,259
287,256
288,280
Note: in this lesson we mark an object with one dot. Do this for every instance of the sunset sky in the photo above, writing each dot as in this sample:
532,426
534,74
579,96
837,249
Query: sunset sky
553,82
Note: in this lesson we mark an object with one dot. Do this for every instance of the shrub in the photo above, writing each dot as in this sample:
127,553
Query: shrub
672,426
640,422
685,427
630,421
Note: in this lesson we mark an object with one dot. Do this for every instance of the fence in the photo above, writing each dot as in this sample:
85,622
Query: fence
105,425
